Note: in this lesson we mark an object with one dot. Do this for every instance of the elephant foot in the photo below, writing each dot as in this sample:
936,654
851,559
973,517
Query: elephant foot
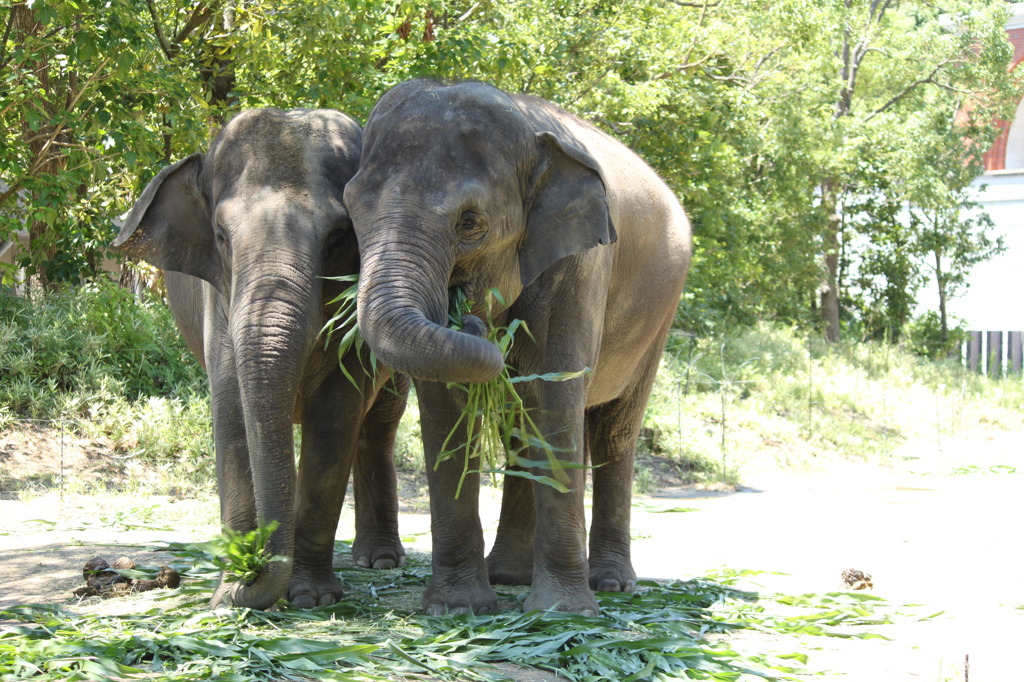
244,595
459,597
612,576
310,588
504,568
551,597
379,554
222,595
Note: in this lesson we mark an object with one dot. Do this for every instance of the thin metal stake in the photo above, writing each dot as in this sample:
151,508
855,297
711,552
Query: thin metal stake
61,425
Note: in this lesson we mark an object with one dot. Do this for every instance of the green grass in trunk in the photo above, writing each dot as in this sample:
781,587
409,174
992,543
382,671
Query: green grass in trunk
494,418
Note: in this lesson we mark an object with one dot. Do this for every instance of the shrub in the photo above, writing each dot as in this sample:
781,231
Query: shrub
923,336
93,339
114,366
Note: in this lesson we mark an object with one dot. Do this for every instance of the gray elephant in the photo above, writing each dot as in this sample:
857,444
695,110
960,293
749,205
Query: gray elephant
246,233
466,186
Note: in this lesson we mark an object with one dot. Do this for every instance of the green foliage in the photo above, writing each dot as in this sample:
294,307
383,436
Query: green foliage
112,367
660,631
925,336
242,555
344,322
80,112
495,419
96,339
172,435
735,104
781,397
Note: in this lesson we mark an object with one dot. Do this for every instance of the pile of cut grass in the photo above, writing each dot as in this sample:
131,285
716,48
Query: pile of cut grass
662,631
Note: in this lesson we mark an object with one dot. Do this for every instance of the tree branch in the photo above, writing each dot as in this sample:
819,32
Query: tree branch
852,61
700,23
683,67
930,78
3,41
11,190
200,16
58,128
160,36
702,5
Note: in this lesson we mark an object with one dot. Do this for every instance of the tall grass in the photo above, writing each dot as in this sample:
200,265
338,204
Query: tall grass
94,339
111,366
771,396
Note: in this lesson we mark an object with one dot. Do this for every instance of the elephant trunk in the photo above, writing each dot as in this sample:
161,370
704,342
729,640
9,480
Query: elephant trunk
273,331
403,308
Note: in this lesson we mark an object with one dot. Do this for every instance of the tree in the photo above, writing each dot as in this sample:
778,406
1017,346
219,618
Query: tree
894,60
76,111
950,232
44,95
762,116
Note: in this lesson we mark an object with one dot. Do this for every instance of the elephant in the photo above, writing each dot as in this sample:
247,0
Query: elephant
465,186
246,235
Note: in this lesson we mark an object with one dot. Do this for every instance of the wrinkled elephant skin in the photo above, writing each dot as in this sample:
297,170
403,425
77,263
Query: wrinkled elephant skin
467,186
246,233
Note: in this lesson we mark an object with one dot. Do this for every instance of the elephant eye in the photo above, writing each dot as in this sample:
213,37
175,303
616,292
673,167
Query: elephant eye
223,243
471,225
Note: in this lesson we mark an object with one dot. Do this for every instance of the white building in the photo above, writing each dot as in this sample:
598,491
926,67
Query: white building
994,300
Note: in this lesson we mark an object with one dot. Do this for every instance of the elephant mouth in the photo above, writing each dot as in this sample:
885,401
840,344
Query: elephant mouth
465,296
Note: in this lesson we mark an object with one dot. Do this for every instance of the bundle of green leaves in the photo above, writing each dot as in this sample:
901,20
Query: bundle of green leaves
242,555
494,418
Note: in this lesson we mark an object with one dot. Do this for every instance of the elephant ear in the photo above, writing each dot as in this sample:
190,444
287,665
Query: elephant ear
170,227
568,210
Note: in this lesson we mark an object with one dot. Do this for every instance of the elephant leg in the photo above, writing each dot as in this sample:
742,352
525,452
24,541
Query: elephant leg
612,431
377,543
234,474
510,561
560,569
459,583
613,443
331,417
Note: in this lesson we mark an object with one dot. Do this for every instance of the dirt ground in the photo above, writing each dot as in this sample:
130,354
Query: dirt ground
934,528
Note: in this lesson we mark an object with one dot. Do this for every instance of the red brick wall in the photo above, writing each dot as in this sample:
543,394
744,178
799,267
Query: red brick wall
995,158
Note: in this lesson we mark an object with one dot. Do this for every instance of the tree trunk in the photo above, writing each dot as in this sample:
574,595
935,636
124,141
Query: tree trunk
830,281
44,144
940,280
218,67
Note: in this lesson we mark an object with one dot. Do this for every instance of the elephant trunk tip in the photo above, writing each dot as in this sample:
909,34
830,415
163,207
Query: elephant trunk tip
436,353
402,317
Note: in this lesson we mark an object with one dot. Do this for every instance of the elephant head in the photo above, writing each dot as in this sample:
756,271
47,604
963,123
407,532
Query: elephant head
260,218
457,188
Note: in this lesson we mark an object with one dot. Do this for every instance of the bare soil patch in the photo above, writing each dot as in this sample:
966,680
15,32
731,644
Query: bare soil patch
38,455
